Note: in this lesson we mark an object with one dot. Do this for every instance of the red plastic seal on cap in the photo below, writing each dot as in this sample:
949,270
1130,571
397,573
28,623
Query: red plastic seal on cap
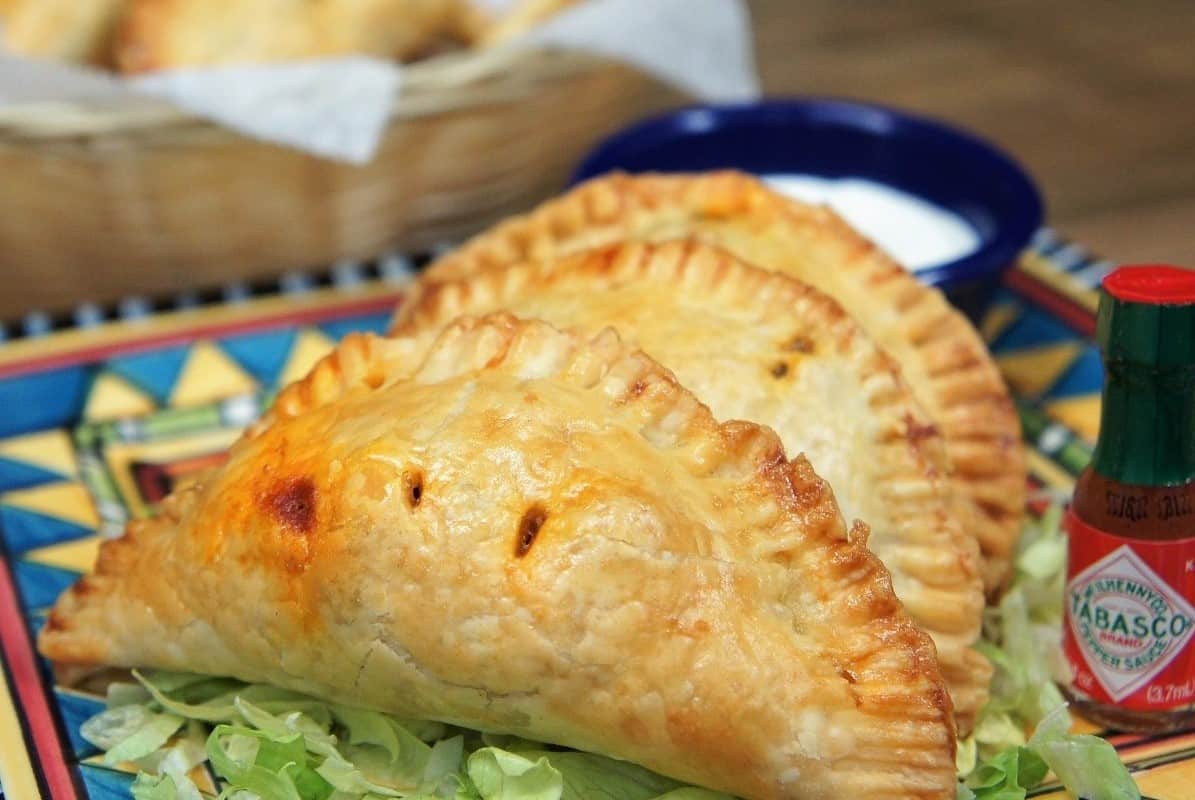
1152,283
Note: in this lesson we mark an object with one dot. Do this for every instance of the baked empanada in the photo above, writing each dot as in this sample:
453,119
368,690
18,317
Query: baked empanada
520,17
161,34
65,30
534,533
764,347
942,357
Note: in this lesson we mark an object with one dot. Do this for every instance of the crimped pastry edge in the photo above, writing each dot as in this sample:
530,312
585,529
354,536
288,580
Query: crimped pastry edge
970,402
698,271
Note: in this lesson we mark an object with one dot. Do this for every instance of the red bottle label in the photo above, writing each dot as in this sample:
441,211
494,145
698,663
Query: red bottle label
1129,619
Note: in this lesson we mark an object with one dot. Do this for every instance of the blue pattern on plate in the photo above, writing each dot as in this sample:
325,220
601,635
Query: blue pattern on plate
26,530
155,371
105,784
263,355
1085,376
75,711
42,400
373,323
19,475
39,585
1034,328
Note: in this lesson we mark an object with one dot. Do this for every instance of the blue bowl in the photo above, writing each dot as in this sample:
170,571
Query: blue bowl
838,138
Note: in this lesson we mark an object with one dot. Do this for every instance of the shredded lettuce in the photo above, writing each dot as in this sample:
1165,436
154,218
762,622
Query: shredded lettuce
265,743
1023,640
502,775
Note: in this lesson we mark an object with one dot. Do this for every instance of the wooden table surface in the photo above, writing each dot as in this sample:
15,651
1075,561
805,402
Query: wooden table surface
1095,97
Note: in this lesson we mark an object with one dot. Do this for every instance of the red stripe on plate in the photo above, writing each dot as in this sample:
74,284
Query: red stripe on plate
31,695
1070,312
87,355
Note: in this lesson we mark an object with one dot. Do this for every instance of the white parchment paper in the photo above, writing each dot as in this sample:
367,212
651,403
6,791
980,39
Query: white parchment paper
338,108
701,46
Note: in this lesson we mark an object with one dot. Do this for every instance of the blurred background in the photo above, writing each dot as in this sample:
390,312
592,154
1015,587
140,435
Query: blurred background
1095,98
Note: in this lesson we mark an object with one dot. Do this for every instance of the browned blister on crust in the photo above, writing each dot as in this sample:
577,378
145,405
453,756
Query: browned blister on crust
589,559
762,346
942,357
165,34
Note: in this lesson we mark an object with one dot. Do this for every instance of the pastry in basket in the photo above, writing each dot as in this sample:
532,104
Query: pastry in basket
531,532
942,357
488,27
762,346
164,34
67,30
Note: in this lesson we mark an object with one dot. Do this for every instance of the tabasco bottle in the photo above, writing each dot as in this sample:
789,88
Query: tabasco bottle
1130,594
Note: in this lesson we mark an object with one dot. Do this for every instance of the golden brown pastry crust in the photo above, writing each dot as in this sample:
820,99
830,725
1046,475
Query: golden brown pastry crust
590,559
765,347
163,34
522,16
943,358
66,30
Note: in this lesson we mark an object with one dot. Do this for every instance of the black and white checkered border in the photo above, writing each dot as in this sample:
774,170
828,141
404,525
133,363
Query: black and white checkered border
392,268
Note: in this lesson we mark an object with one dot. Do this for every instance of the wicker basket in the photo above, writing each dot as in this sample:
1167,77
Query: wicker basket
102,202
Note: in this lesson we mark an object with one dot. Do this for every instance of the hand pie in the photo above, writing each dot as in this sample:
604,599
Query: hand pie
163,34
764,347
941,356
65,30
542,535
522,16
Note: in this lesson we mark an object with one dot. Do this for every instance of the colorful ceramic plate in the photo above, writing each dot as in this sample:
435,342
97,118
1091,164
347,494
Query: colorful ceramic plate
98,424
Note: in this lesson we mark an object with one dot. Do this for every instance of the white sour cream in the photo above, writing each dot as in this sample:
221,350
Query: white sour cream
913,231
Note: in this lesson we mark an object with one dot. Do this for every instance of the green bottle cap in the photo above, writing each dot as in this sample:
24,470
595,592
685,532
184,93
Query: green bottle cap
1147,316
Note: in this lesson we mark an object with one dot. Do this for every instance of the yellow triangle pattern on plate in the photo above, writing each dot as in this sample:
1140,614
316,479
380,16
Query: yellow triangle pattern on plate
78,555
1081,414
209,375
49,450
199,776
997,320
309,347
112,396
1034,370
65,501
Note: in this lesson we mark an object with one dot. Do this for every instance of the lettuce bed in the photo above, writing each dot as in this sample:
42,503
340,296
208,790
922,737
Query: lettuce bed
273,744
